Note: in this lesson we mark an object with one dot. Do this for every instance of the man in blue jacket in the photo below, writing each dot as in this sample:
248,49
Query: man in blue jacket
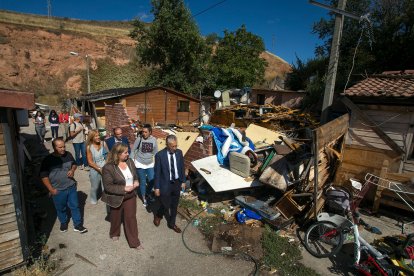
168,182
117,138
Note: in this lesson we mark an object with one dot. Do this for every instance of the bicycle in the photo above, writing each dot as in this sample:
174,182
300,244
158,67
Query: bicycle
325,237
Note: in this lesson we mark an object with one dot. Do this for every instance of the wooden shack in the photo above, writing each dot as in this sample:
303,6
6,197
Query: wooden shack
381,126
14,106
155,105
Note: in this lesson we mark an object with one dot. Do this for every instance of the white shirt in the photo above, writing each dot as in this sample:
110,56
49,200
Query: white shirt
129,179
175,165
139,165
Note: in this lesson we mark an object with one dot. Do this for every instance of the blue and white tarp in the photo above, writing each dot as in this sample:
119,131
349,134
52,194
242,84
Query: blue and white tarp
230,140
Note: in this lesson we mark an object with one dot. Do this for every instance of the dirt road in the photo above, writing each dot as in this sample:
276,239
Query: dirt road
163,254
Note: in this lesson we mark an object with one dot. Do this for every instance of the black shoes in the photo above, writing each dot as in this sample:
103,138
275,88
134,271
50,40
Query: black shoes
80,229
63,227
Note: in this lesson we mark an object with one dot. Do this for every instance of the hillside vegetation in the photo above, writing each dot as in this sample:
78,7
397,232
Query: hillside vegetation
34,56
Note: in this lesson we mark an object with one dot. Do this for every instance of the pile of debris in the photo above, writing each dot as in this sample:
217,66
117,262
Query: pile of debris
278,118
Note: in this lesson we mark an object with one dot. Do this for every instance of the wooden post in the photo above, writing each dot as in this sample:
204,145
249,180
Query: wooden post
383,175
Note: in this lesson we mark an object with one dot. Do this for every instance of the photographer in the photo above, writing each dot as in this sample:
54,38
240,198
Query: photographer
143,151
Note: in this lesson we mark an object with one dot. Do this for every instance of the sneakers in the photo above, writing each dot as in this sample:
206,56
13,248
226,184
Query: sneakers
144,203
63,227
80,229
86,168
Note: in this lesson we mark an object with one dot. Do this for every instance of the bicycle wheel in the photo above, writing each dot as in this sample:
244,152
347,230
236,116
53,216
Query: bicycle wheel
323,239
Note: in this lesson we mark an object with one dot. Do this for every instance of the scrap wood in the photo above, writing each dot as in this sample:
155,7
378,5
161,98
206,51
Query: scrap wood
85,260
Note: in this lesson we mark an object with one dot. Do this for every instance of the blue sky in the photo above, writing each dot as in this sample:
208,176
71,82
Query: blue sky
284,25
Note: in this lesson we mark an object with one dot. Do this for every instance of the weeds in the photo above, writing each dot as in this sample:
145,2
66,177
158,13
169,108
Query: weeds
284,256
40,263
209,223
189,204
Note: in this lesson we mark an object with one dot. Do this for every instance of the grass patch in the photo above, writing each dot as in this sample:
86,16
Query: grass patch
282,255
210,223
189,204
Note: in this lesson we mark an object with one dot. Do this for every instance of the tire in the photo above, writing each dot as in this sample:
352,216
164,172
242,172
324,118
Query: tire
323,239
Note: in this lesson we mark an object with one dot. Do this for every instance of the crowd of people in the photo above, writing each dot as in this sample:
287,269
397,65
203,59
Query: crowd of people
118,174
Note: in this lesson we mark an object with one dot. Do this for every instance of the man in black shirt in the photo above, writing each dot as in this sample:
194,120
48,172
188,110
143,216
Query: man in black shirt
57,172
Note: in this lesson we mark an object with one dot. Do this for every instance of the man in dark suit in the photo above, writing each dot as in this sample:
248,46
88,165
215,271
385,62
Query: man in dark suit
168,181
117,138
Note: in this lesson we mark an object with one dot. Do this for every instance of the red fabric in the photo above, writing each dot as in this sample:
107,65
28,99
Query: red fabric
63,117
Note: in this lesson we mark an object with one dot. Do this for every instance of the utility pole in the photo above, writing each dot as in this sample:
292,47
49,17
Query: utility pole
333,63
49,9
334,55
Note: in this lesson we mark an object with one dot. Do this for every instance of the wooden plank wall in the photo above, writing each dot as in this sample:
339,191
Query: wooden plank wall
154,106
395,124
10,245
357,161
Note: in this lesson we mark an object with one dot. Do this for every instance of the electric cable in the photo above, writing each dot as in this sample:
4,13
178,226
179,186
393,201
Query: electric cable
209,8
234,253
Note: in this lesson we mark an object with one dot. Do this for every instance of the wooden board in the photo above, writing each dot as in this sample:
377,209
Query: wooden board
355,109
4,170
9,244
7,227
10,262
6,208
6,199
4,180
5,189
331,131
2,150
3,160
261,136
6,218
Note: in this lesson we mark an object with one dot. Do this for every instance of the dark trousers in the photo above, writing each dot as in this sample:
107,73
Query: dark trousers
129,209
55,130
168,202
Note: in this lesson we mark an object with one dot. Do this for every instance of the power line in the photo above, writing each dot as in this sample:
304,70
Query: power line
209,8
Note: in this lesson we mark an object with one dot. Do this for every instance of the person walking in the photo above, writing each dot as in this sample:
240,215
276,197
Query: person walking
54,124
143,151
96,155
64,121
120,181
117,138
169,179
40,126
57,172
77,134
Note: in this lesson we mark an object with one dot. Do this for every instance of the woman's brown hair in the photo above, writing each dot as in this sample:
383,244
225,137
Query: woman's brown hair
113,156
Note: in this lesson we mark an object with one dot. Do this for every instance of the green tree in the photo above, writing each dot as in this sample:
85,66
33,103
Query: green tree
173,47
237,62
392,35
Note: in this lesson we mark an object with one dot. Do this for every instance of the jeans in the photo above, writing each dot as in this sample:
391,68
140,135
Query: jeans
68,197
80,149
55,130
40,131
96,183
143,174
